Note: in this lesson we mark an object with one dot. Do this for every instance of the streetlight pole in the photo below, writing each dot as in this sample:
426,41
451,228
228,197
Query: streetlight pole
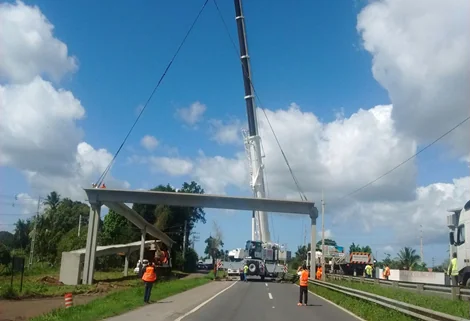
323,238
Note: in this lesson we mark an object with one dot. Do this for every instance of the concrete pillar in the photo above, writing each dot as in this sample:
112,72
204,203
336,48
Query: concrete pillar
313,214
143,244
90,248
126,263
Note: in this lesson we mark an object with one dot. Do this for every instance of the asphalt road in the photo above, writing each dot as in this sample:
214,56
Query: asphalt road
267,301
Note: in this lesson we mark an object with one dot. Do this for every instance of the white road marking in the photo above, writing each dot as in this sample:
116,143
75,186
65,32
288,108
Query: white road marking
266,284
270,296
204,303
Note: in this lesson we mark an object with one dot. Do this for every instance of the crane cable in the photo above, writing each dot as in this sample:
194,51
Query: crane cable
105,172
298,186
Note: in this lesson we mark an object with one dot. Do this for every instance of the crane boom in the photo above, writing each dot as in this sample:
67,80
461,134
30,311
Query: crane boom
252,139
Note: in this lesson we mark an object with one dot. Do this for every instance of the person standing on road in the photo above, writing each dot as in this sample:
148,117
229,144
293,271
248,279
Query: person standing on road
303,284
453,269
246,270
149,277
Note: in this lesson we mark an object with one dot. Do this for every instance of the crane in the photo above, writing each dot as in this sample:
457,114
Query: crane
260,255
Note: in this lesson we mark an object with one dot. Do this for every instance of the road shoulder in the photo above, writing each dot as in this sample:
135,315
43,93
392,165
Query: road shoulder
173,307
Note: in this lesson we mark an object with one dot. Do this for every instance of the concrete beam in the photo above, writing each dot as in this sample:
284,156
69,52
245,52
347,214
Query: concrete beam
198,200
139,222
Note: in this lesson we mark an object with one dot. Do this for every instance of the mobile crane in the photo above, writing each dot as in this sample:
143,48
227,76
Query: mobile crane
260,254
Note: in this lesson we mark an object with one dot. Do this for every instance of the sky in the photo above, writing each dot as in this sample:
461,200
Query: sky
351,88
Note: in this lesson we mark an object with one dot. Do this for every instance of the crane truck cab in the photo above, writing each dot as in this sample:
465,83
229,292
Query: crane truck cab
458,223
255,260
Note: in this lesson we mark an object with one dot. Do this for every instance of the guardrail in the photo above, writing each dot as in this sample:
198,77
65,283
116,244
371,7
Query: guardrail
408,309
450,292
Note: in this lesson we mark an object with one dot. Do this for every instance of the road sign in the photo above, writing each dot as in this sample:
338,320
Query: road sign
285,269
219,263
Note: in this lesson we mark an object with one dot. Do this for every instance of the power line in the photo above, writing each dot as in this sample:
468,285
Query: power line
103,175
407,160
27,214
298,186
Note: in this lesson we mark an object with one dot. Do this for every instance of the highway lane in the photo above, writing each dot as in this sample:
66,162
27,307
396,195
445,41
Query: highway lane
267,301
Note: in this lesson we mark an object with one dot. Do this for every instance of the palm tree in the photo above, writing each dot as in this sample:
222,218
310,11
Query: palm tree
53,200
408,258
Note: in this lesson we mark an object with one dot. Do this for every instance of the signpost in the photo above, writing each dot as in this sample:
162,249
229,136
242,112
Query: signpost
17,265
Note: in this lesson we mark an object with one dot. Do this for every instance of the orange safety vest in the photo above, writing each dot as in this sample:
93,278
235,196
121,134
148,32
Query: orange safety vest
386,272
304,278
149,275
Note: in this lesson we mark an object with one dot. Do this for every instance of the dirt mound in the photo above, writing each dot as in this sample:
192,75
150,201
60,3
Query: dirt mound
50,280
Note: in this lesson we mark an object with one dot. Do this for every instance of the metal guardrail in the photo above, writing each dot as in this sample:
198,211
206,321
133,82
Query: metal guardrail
408,309
450,292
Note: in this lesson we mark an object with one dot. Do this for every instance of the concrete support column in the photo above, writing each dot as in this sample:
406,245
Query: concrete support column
90,248
314,213
143,244
126,264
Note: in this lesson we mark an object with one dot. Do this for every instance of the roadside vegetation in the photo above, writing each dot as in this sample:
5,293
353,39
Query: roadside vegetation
121,301
436,303
363,309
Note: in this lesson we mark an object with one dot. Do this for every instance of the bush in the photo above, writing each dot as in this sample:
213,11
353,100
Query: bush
5,256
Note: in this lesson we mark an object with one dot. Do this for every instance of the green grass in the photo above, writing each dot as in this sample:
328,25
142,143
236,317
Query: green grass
220,274
364,309
436,303
120,301
34,286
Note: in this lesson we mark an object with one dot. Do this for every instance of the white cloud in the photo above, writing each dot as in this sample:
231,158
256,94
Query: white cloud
172,166
340,156
29,47
39,134
226,133
149,142
421,54
327,234
38,126
192,114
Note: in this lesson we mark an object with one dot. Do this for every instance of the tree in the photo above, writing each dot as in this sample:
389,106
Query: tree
52,200
357,248
5,256
173,218
327,242
118,230
408,258
7,239
21,234
214,243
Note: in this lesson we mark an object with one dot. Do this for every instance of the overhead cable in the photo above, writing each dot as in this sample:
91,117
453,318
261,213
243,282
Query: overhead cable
105,172
407,160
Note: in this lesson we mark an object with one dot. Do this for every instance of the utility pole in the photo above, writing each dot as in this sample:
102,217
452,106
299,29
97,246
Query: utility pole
184,240
323,238
79,225
421,246
31,253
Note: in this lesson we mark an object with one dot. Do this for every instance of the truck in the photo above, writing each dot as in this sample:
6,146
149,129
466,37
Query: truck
458,224
336,261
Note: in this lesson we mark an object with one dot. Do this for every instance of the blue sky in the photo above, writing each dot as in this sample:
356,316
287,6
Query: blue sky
309,53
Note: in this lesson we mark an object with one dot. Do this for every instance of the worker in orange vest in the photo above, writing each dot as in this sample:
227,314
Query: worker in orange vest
386,272
319,273
149,277
303,283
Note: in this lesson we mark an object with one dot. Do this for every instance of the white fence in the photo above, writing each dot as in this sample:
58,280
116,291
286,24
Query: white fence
415,277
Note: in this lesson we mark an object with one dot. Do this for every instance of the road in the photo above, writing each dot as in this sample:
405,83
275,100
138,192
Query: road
266,301
238,301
